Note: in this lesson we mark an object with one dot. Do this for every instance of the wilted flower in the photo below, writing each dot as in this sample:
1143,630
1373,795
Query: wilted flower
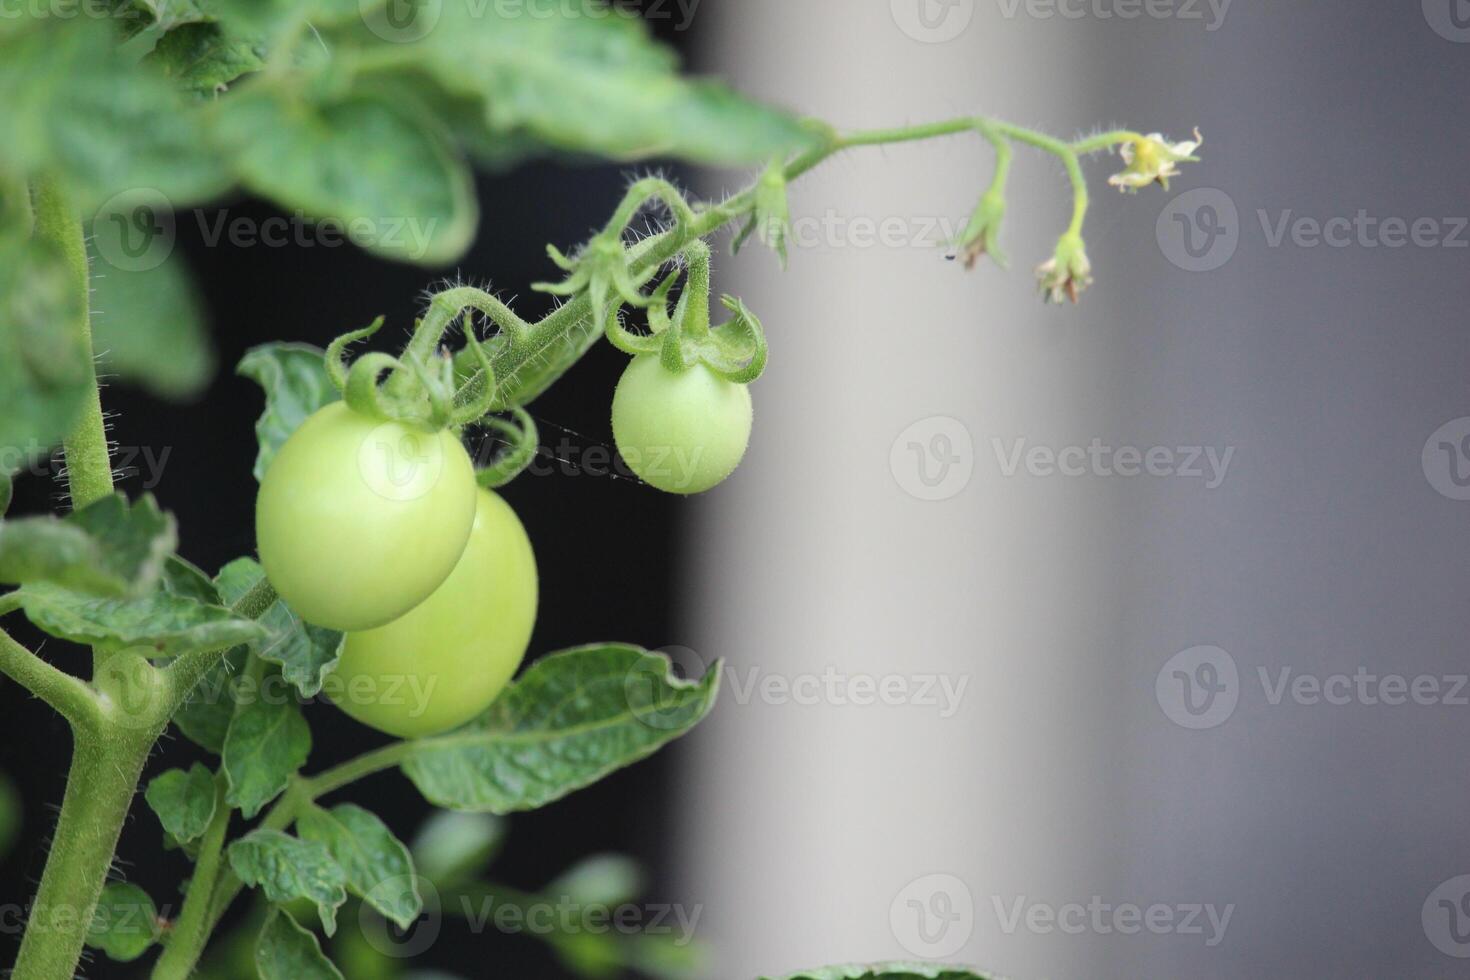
1067,272
981,234
1152,158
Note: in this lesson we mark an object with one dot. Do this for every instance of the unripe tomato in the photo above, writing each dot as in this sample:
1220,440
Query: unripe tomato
444,661
684,432
358,521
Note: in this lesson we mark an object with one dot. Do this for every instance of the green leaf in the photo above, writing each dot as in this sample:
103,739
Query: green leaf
267,742
171,625
378,867
147,324
77,107
296,384
106,548
602,879
184,801
886,971
577,76
167,14
305,652
285,951
382,173
286,868
43,370
183,578
204,58
205,717
125,923
571,719
451,846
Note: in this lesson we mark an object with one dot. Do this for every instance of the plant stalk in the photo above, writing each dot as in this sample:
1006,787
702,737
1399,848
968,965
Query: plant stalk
105,769
88,467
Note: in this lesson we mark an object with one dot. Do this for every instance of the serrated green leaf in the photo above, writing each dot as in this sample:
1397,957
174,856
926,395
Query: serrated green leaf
76,107
578,77
571,719
203,58
306,653
184,801
125,923
106,548
147,323
182,578
452,846
43,370
887,971
287,868
286,951
383,174
205,717
267,742
378,867
169,624
295,382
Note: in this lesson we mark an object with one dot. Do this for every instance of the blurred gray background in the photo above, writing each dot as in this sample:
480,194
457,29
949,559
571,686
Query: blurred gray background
1177,689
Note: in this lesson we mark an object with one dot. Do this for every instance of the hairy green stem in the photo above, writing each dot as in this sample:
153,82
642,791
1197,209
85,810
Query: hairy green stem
88,467
105,768
191,932
572,327
72,698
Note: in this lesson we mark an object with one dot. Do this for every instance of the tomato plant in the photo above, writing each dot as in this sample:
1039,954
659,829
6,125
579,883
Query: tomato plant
384,554
443,662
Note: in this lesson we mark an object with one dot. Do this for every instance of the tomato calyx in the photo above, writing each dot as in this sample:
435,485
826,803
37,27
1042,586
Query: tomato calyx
423,387
735,350
601,270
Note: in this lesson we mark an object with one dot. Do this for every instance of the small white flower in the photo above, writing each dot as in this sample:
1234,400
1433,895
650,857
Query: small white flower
1153,158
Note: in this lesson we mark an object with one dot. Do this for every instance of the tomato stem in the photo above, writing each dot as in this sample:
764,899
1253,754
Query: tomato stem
88,467
105,767
191,931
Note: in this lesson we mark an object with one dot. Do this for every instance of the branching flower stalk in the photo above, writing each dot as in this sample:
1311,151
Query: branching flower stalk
497,375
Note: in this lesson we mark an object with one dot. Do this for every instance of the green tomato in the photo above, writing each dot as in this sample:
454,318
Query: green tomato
358,521
682,433
445,660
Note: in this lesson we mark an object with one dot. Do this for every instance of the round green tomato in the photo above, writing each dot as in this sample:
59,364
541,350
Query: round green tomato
358,521
445,660
682,433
